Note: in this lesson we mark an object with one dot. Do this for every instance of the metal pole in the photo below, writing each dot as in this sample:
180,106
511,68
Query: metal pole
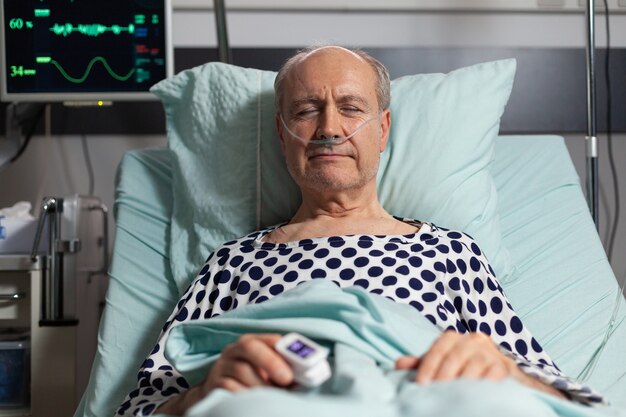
54,284
222,32
591,138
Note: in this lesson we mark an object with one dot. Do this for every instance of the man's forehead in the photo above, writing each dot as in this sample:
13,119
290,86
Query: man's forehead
330,48
328,65
326,69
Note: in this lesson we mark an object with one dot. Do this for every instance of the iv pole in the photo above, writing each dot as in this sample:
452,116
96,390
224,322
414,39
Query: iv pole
222,32
591,138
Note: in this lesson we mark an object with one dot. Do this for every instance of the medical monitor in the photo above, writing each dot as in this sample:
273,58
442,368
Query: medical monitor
83,50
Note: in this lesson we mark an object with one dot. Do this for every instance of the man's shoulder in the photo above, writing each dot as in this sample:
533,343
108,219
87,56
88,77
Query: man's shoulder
247,238
459,242
449,233
429,231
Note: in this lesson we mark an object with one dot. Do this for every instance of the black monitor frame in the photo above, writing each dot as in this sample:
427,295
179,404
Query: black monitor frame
83,96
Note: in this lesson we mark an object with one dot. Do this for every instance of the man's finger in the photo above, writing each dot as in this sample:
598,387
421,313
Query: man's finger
230,384
454,361
407,362
496,372
432,360
243,372
474,368
259,351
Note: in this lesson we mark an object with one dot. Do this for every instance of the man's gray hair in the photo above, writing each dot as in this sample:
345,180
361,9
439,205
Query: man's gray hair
383,85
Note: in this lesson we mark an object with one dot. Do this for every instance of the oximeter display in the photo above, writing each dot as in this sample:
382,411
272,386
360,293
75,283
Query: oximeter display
307,359
301,349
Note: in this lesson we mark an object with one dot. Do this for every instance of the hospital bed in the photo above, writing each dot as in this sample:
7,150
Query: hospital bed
560,283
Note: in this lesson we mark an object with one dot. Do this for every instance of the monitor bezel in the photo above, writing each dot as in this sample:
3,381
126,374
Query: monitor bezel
95,97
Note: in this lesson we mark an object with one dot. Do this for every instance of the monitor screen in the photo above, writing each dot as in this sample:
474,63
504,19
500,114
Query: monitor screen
74,50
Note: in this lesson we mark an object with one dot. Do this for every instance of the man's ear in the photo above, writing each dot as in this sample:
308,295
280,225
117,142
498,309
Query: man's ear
385,124
279,129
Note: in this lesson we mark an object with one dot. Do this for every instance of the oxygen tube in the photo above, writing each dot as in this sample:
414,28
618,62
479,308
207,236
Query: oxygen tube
325,140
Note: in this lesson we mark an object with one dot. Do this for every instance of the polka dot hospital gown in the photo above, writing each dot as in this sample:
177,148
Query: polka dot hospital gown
441,273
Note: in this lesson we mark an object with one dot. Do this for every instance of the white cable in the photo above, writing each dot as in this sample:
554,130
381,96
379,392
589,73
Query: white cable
258,153
593,361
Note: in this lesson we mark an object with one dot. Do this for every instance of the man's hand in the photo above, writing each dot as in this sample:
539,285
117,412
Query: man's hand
249,362
455,355
468,355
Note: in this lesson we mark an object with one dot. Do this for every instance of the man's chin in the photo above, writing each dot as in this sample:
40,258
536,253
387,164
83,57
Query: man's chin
330,179
332,183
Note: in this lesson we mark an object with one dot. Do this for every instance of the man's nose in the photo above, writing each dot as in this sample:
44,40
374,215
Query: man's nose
329,123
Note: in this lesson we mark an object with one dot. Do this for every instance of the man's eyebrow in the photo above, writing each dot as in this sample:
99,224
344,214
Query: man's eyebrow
348,98
306,100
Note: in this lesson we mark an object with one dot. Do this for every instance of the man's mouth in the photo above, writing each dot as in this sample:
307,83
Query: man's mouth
328,156
327,153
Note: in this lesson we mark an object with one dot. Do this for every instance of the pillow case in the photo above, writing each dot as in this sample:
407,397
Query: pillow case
229,176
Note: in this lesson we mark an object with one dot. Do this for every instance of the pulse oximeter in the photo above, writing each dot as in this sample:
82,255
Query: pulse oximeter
307,359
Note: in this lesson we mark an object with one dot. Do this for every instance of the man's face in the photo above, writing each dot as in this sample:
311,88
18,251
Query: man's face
332,92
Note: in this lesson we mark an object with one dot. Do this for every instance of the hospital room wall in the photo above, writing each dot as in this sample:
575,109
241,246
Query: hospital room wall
55,165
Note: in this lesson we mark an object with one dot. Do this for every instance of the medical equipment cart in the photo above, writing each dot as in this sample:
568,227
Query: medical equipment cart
46,386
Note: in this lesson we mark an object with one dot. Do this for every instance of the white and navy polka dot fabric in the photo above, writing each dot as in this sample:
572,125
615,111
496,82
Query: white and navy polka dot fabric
442,273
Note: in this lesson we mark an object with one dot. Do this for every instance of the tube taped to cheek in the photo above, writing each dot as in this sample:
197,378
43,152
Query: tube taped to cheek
325,140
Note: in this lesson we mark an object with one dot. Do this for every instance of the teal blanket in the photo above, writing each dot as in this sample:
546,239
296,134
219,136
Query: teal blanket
365,333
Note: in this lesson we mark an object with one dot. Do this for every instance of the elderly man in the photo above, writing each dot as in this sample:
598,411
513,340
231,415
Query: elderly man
333,121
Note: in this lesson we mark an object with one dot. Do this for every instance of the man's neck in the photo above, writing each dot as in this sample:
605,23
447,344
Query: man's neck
343,206
341,213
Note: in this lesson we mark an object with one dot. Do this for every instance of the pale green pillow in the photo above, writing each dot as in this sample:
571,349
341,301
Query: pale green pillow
437,166
230,177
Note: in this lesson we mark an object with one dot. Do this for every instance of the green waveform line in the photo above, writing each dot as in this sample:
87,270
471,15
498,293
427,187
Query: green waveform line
95,29
88,70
